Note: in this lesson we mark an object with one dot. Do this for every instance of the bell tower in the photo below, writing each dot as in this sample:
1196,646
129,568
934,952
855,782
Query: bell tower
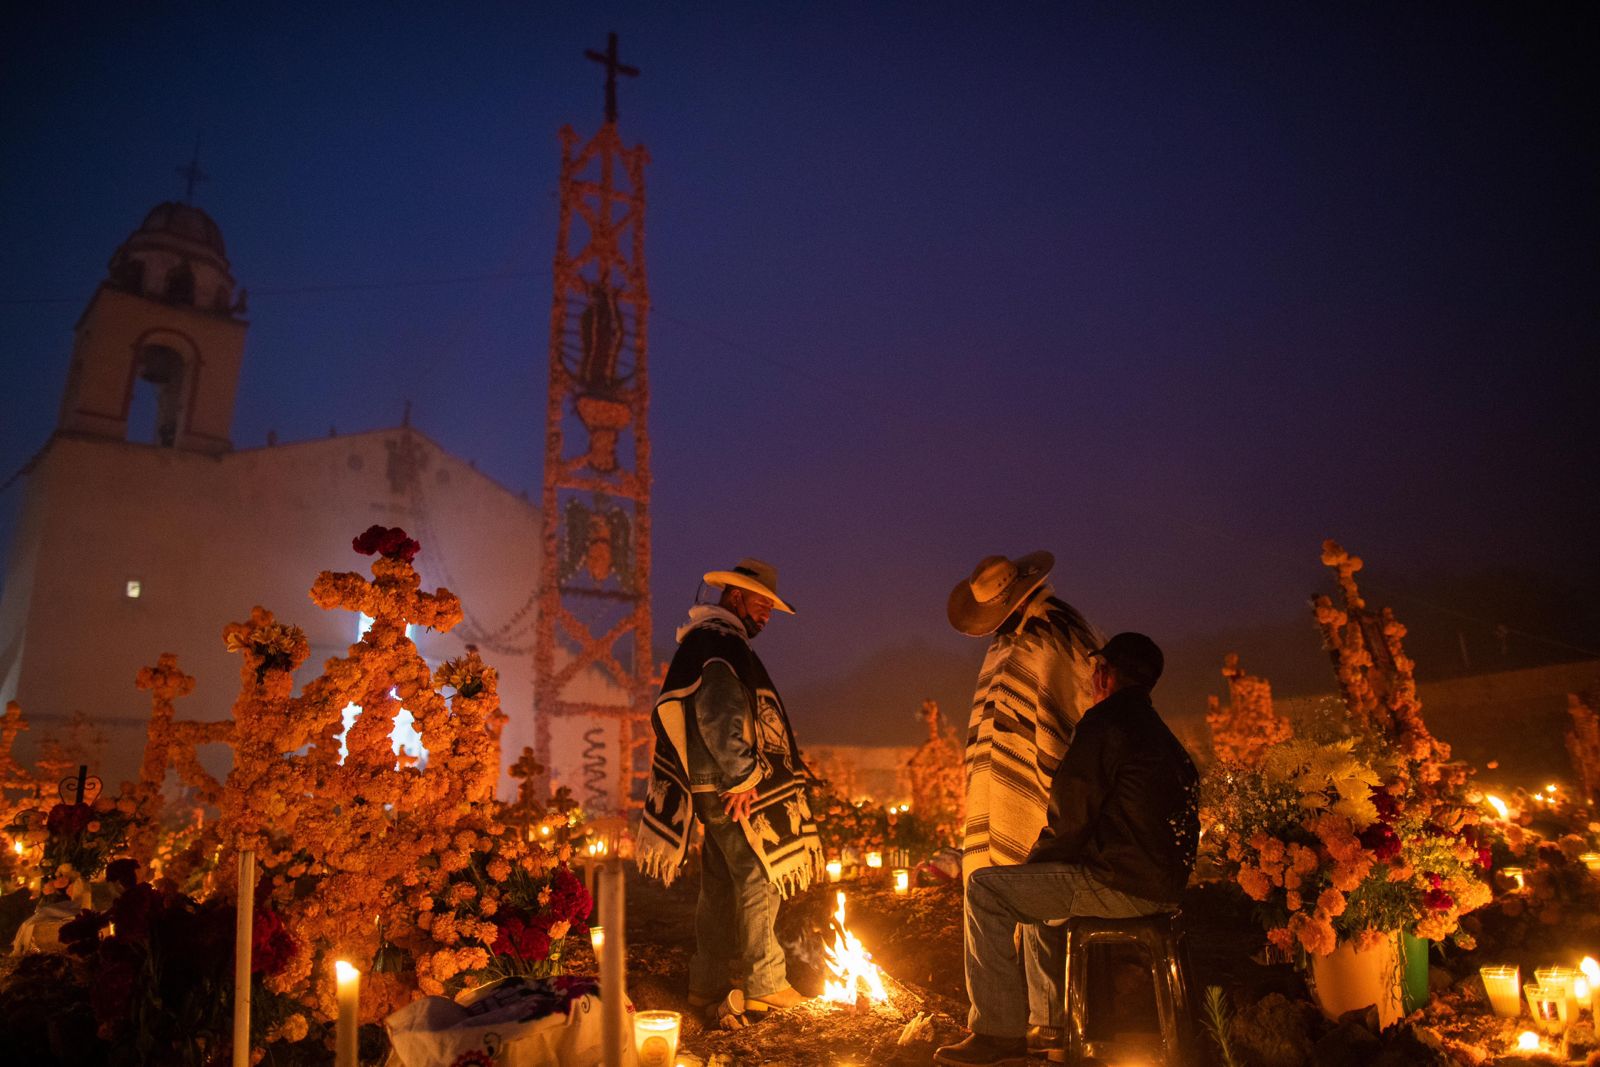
156,353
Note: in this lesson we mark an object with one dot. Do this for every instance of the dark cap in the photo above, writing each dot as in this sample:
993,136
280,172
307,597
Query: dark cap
1135,658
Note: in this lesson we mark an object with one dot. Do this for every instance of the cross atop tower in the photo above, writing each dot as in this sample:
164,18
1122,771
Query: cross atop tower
613,68
192,174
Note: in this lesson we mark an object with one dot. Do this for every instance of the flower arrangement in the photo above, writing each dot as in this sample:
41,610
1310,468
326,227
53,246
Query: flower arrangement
1331,848
1246,729
416,873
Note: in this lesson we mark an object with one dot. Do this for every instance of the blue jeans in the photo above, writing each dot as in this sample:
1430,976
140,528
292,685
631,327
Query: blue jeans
998,899
734,918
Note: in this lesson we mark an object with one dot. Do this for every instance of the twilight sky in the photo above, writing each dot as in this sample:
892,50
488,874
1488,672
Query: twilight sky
1175,291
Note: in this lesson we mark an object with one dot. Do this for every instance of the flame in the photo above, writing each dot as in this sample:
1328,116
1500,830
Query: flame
1500,810
1528,1041
853,971
1591,970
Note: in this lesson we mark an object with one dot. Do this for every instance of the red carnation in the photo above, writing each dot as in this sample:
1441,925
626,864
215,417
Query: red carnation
389,542
271,945
1438,900
1381,840
69,818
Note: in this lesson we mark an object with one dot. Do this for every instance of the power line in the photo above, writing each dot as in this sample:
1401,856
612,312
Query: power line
337,287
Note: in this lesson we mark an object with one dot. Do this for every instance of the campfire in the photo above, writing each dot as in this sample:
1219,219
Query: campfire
856,979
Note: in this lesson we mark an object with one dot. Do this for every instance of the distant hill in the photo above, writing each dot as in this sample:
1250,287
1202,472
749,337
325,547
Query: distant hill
1485,622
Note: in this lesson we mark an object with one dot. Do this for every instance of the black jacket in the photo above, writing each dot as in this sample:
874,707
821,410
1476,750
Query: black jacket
1125,801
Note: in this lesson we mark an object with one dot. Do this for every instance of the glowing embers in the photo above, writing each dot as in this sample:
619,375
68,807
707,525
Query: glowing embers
854,976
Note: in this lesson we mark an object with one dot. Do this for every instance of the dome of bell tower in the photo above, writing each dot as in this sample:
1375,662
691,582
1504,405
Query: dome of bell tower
177,256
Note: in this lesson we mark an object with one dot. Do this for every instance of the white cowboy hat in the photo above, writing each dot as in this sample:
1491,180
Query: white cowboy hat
979,604
752,574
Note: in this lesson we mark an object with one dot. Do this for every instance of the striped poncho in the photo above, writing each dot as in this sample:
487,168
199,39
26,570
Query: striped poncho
1032,690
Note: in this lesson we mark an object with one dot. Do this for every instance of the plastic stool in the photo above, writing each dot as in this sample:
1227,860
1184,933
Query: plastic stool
1161,937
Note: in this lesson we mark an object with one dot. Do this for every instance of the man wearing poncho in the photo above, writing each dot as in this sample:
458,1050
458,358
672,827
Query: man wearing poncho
726,755
1032,690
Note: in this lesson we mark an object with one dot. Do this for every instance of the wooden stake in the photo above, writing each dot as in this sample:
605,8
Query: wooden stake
613,965
243,930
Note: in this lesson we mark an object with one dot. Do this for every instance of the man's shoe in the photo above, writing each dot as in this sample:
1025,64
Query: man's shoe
787,997
1045,1038
982,1050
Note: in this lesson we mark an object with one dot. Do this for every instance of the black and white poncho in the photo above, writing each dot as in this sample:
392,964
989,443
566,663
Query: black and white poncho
780,828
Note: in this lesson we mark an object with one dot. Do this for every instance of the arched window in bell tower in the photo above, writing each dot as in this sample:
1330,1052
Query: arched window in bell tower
180,284
157,400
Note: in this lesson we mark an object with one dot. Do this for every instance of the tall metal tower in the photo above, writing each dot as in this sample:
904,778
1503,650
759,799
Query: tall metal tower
592,655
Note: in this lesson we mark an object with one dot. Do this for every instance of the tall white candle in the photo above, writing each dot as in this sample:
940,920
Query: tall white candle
243,938
344,1044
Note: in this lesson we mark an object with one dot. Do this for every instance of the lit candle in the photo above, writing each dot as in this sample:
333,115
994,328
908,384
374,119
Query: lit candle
344,1044
655,1035
1591,972
1548,1007
1515,874
1560,980
902,880
597,938
875,859
1500,810
1528,1041
835,870
1591,860
1580,994
1502,982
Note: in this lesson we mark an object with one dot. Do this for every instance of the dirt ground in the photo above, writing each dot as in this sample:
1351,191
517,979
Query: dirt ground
915,938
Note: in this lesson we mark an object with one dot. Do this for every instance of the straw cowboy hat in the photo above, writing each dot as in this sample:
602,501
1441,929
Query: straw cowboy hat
755,575
979,604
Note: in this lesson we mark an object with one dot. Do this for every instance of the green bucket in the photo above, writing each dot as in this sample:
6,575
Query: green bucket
1413,972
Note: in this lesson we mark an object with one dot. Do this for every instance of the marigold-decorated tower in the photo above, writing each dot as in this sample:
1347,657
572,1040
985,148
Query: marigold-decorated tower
592,654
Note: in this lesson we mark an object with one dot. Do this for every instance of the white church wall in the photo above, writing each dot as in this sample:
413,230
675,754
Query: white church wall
207,538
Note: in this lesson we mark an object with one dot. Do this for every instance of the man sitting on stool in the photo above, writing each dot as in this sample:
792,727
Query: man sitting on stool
1120,842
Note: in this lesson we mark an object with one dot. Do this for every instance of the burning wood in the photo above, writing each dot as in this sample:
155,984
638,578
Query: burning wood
856,979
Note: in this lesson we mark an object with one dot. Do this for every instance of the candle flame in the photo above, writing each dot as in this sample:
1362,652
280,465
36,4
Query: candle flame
1499,806
1528,1041
851,964
16,846
1591,970
597,937
345,971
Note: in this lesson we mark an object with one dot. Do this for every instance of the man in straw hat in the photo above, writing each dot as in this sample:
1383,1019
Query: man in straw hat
1032,690
726,755
1120,841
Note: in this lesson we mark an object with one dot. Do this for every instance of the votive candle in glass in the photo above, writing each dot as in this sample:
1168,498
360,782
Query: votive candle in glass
874,859
1503,983
597,938
902,880
1515,875
655,1036
835,870
1591,860
1561,979
1547,1006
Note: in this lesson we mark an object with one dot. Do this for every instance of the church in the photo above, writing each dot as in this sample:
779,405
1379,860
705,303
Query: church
144,530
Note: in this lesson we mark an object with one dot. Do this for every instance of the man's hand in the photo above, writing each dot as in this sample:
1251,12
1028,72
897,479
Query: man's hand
738,805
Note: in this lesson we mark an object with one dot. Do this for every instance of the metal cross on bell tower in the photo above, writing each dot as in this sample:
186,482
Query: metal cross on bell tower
593,664
609,59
